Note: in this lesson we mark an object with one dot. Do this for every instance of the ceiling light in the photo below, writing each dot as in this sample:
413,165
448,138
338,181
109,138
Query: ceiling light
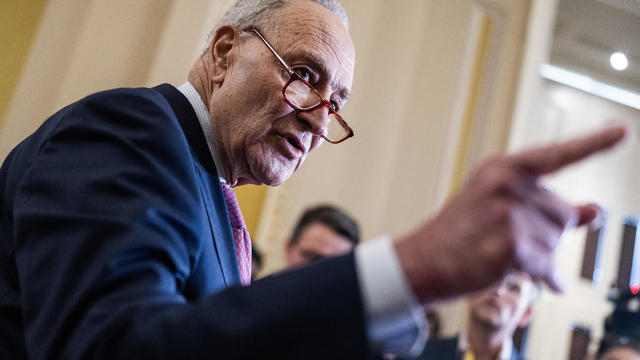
591,86
619,61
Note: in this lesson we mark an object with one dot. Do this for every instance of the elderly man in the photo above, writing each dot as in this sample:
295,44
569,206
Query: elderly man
120,236
494,315
321,232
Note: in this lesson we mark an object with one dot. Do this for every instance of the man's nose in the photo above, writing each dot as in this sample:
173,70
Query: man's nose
316,120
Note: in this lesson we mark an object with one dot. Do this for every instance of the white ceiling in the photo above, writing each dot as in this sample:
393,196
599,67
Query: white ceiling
587,33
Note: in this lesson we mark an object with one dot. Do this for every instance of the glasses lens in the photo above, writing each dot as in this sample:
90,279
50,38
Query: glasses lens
335,130
301,95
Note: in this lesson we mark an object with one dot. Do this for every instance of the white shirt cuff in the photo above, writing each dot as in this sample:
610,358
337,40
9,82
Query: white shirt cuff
396,323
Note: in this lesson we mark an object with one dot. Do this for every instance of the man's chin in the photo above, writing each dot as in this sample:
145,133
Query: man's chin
488,317
277,182
274,176
268,166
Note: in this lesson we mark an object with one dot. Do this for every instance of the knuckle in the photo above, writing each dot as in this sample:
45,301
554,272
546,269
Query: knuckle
492,174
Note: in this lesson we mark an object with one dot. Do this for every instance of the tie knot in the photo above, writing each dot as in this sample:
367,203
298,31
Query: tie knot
241,238
235,215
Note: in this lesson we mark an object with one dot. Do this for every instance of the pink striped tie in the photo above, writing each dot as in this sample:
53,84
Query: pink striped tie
241,239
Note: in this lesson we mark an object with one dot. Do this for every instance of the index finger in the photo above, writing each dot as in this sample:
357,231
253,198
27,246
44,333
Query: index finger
547,159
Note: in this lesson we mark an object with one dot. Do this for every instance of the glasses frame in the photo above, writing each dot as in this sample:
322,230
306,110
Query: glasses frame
293,76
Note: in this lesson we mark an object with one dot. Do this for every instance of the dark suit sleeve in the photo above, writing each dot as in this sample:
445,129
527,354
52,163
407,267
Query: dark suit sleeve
441,349
107,224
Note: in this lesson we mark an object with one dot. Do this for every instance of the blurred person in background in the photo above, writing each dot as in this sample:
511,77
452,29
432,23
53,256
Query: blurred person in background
321,232
494,316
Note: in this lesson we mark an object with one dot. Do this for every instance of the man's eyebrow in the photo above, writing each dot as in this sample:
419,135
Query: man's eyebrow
311,59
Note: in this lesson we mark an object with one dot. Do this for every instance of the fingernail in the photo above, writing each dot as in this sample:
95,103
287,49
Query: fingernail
626,125
599,220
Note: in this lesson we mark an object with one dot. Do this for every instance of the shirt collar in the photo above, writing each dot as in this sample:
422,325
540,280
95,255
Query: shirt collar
204,118
505,350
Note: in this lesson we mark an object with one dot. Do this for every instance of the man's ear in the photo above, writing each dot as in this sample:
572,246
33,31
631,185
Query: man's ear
220,49
288,251
526,317
289,245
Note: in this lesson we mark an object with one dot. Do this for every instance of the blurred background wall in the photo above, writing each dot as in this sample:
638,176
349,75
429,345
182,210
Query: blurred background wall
439,86
20,21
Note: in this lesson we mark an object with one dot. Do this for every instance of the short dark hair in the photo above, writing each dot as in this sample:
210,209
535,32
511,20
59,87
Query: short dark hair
330,216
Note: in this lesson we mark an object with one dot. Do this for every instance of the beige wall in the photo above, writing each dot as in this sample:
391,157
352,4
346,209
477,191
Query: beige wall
609,180
18,24
85,46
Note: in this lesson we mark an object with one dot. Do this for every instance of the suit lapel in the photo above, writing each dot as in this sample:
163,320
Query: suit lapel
210,184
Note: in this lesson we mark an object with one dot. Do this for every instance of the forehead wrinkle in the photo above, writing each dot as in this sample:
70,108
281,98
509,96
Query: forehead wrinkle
314,33
330,40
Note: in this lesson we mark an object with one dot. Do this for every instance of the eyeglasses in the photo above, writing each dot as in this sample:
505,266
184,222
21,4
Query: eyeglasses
303,97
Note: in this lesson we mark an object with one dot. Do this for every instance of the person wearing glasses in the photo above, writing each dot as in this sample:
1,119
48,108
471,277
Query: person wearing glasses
120,235
494,315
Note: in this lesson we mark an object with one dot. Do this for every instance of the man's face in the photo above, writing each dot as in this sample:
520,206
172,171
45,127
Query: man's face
263,140
316,242
505,306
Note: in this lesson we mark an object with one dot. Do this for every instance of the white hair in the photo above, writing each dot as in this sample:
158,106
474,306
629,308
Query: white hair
255,13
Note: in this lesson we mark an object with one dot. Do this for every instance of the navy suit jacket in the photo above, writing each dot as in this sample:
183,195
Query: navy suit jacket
447,349
115,243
